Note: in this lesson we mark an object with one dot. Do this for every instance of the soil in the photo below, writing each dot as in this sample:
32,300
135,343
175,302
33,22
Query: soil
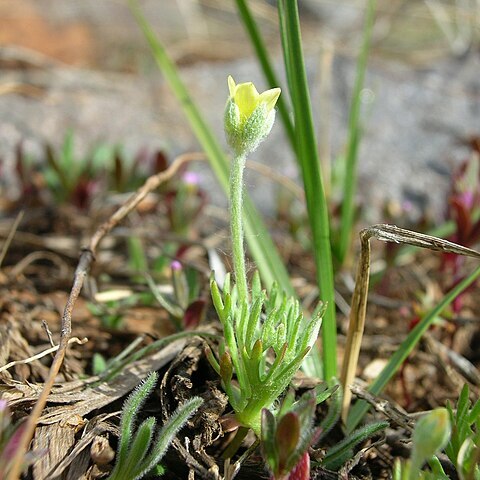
44,236
36,278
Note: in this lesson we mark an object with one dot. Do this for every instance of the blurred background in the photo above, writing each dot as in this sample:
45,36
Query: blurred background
84,67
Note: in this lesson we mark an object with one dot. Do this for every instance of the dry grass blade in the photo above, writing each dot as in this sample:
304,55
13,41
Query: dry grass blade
33,257
41,354
78,398
11,234
86,258
385,233
392,233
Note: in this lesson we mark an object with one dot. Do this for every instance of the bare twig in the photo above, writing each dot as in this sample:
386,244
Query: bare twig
64,369
385,233
86,258
48,332
385,407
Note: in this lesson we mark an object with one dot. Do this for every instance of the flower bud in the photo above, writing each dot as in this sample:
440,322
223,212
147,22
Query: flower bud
226,368
249,116
431,434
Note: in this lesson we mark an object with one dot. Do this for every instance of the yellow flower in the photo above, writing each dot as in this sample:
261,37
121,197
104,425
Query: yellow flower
247,98
249,116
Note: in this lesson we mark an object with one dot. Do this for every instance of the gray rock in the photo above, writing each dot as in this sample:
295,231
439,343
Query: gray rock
412,128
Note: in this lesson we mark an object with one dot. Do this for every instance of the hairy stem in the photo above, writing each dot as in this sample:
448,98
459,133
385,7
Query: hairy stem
236,225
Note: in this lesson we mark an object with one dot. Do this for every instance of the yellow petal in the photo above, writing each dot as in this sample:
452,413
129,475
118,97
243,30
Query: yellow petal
246,98
270,98
231,86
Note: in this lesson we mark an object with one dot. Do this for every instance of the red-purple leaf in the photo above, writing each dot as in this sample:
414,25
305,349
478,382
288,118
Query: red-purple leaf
462,218
287,437
160,162
194,314
301,471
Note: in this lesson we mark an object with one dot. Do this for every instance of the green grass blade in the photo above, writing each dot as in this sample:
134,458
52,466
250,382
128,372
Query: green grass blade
266,65
259,241
307,155
361,407
339,453
118,364
285,50
354,129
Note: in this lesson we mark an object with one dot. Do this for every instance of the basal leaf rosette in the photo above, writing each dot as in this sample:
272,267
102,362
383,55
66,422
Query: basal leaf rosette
265,342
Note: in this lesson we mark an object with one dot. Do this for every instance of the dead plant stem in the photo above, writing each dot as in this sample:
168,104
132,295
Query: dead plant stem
385,233
357,322
11,234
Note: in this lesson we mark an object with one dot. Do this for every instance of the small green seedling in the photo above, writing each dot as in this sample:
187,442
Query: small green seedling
463,449
287,434
184,202
99,363
185,306
138,453
75,179
111,312
430,436
456,430
126,173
